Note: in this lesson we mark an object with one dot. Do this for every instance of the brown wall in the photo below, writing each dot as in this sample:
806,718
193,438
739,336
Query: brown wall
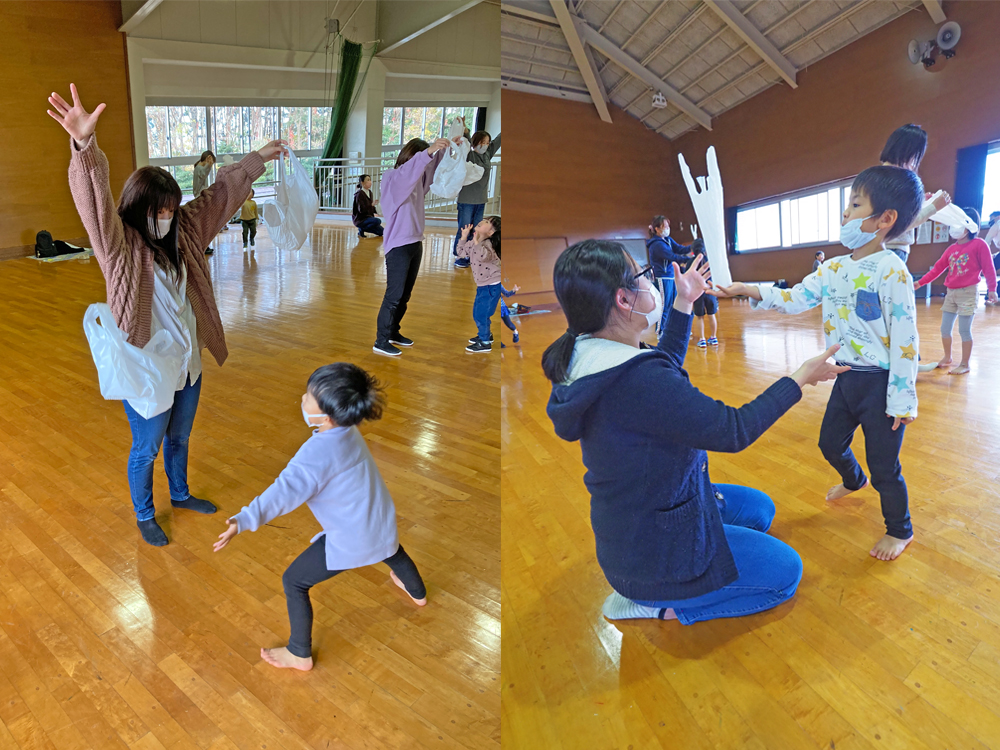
831,127
48,45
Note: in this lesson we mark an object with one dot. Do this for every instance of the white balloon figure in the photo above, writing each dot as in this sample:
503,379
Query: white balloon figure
711,214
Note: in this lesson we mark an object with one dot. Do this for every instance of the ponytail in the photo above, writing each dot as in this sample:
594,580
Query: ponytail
587,276
658,222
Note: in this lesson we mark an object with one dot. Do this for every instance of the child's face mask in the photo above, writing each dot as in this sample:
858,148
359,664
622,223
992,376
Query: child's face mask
307,417
957,233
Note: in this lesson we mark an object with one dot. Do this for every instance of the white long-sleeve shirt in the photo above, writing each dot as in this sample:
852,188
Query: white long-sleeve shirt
993,237
868,308
172,312
335,474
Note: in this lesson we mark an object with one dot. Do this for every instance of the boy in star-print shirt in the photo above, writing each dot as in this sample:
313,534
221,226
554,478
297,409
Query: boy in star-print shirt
869,311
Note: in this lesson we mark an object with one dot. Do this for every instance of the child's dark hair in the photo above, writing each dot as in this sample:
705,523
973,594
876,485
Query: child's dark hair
658,221
698,246
974,215
587,276
347,394
495,237
818,253
905,147
892,189
361,180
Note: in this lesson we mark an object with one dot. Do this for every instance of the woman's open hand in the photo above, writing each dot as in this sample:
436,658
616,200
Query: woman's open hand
231,531
942,200
818,369
439,143
694,282
273,150
76,120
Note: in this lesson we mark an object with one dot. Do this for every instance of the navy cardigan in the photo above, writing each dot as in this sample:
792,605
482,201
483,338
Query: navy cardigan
644,429
663,251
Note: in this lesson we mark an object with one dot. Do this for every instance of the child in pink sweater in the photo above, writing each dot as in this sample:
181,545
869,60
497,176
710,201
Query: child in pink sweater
966,261
483,250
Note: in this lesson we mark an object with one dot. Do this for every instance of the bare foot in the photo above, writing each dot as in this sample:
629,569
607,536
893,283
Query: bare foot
960,370
395,580
282,658
889,547
835,493
945,362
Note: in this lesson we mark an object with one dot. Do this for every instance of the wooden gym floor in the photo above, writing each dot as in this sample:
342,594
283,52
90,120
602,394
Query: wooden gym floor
106,642
867,655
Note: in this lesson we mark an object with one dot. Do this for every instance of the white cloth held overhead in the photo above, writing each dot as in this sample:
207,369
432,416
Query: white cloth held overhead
711,213
952,216
292,213
455,170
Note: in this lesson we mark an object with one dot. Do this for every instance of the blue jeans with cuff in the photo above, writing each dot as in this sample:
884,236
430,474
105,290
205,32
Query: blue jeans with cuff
769,570
147,435
485,304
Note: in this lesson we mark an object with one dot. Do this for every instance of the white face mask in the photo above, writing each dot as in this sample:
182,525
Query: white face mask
481,148
852,236
306,416
158,228
666,232
654,315
957,233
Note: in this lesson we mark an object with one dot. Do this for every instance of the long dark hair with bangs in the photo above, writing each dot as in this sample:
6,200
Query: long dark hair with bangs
587,276
411,149
146,191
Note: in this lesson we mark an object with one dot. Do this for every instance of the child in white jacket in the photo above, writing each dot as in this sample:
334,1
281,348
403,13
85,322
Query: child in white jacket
335,474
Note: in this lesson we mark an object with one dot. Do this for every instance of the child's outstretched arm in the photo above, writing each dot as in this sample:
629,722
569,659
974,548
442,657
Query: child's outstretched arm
936,270
295,485
805,295
896,296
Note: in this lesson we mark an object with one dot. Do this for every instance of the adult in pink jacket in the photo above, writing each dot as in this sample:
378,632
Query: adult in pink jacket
151,251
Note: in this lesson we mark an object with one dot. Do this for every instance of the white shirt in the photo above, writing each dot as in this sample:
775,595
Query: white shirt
172,312
993,237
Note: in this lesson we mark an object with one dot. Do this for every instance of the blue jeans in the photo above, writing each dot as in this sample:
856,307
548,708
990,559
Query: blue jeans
669,294
147,435
371,225
468,213
483,308
769,569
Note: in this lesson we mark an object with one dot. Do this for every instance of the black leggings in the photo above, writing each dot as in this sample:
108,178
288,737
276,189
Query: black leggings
401,267
508,322
309,568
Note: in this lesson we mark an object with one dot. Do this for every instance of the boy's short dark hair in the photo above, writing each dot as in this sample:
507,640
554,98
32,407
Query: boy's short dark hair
892,189
347,394
818,253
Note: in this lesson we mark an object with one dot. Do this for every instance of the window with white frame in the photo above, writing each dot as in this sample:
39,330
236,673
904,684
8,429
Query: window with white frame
801,219
991,186
177,136
401,124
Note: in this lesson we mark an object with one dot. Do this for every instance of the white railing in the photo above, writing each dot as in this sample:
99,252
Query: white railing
336,182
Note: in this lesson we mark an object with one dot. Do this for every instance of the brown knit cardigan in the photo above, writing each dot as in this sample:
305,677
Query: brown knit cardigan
127,262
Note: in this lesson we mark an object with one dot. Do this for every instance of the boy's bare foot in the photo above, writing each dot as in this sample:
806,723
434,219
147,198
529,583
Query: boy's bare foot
889,547
960,370
282,658
945,362
835,493
395,580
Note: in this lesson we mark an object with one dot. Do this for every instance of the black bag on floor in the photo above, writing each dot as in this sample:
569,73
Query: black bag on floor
46,247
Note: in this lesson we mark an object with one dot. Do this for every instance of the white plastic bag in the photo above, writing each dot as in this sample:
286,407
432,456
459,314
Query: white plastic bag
711,213
952,216
291,214
146,378
455,171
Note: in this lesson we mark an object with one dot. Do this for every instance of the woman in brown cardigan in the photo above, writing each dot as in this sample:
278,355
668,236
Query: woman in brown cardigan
150,250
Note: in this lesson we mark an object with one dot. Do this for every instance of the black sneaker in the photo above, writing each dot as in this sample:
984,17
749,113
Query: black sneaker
152,533
386,349
480,346
361,235
400,340
210,251
476,338
462,263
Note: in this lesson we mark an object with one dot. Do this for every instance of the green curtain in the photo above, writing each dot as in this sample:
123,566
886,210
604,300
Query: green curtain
347,80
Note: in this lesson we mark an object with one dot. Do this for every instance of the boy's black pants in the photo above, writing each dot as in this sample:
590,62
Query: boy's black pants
859,398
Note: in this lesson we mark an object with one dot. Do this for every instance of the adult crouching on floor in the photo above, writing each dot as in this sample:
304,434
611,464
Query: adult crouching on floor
150,252
671,544
363,209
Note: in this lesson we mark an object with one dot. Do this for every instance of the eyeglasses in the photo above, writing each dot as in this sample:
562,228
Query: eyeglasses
647,272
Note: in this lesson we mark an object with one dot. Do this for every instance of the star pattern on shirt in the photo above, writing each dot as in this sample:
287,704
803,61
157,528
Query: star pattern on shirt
861,281
786,295
899,382
898,311
829,327
885,341
857,347
908,351
835,266
900,276
824,291
844,312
